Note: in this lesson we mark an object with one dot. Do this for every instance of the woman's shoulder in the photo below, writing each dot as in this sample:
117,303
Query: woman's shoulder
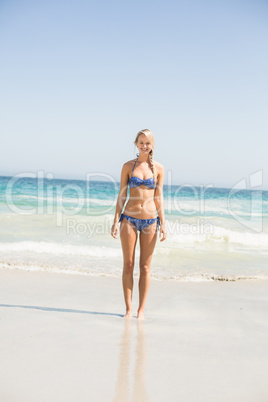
128,165
158,165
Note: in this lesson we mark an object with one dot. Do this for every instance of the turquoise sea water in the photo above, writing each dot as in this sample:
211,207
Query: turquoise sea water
64,226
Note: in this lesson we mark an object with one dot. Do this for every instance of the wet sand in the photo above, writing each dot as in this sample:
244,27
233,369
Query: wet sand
63,338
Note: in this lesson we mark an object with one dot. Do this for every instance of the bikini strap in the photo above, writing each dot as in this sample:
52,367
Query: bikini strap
133,167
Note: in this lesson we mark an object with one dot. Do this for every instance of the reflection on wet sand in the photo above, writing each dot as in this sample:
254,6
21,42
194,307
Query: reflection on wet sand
139,389
123,392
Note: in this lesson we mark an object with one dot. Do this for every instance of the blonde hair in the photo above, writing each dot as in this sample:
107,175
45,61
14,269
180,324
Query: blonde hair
150,137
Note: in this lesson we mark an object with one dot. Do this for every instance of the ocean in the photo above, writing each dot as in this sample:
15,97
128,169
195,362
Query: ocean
63,226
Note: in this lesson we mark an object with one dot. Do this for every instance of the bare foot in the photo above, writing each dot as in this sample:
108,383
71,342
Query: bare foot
128,314
140,315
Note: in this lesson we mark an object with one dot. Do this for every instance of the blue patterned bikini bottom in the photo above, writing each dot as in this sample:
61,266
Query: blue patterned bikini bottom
140,223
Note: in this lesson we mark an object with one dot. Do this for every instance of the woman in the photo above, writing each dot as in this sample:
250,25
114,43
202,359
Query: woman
145,199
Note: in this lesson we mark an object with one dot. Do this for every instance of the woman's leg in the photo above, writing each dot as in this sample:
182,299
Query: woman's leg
148,238
128,236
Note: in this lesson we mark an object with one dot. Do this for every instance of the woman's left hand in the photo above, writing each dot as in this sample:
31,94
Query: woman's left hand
163,232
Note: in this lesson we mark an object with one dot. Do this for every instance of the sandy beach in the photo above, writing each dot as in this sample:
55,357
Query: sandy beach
63,338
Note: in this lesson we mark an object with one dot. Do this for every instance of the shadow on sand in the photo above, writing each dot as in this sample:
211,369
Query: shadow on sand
62,310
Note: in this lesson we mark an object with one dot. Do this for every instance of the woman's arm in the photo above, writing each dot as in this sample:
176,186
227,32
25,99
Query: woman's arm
121,199
159,201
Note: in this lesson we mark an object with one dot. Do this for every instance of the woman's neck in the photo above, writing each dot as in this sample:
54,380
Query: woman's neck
143,158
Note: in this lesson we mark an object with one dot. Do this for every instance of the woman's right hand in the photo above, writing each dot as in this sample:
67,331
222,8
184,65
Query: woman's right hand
114,230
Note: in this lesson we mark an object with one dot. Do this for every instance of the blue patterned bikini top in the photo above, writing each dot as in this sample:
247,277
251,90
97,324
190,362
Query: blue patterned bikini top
136,181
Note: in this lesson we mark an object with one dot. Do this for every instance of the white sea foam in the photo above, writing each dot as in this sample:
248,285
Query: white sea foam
43,247
194,277
219,207
219,234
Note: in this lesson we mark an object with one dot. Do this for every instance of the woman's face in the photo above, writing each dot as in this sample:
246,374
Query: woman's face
144,146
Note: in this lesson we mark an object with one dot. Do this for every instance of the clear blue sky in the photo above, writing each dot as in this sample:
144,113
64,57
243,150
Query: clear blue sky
80,78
